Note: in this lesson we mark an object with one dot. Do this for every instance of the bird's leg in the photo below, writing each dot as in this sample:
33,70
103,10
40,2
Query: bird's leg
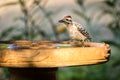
72,40
82,43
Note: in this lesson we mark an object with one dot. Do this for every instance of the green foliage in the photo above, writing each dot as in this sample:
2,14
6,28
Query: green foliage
82,13
80,2
110,3
5,34
111,7
93,72
7,74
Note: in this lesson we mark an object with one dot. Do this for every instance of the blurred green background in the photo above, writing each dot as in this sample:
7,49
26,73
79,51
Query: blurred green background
38,20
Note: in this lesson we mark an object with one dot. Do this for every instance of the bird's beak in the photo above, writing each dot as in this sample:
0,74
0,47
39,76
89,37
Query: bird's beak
61,21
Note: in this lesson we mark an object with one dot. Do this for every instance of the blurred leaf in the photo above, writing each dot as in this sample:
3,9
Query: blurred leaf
116,63
7,73
115,28
80,2
37,1
48,17
6,32
81,14
109,7
61,29
110,3
105,12
3,46
16,37
114,43
49,13
22,18
9,4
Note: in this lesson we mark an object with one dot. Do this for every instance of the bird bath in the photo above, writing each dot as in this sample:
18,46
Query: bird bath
36,60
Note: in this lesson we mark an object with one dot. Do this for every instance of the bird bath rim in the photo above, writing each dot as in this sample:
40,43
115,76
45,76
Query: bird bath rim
45,54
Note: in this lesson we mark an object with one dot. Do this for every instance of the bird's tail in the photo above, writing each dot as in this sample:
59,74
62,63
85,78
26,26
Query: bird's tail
89,39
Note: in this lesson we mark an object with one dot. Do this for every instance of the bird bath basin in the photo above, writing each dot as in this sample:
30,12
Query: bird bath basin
49,55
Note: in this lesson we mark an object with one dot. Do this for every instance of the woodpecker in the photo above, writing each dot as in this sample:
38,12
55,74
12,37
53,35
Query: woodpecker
76,31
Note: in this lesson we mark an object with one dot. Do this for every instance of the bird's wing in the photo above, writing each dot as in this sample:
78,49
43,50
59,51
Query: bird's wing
83,31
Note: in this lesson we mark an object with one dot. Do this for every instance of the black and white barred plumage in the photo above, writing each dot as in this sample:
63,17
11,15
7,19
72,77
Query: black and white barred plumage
84,32
76,31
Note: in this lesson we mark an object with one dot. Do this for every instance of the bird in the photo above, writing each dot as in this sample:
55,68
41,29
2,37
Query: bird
76,30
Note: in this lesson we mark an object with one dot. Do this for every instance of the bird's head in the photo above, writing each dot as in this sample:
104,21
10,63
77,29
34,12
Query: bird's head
66,20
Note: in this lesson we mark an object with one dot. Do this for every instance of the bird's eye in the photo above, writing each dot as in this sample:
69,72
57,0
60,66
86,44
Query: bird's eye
68,20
